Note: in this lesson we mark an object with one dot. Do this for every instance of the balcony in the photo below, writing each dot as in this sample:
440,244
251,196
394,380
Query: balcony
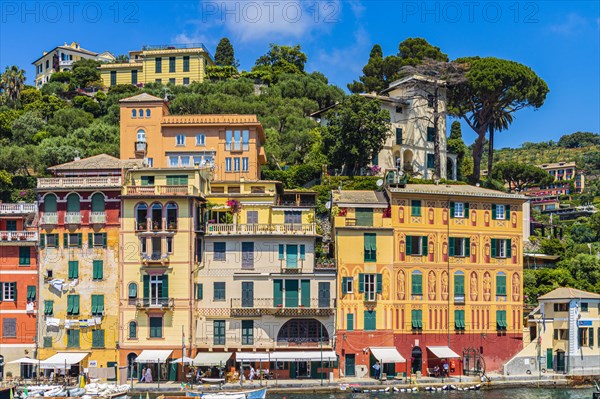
261,229
266,306
79,182
325,265
9,237
73,218
141,147
155,303
17,209
158,190
155,258
378,222
97,217
297,199
236,146
49,218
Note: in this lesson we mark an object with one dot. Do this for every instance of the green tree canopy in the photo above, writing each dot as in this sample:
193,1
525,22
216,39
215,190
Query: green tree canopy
86,74
224,54
579,140
519,176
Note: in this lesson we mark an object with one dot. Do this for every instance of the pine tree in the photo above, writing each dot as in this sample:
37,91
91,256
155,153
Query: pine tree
224,55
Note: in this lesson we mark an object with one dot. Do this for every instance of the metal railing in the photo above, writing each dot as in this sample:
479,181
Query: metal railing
158,190
155,257
8,209
255,228
152,303
18,235
76,182
98,217
72,218
269,303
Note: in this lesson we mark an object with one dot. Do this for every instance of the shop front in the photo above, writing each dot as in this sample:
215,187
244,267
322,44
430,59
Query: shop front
289,364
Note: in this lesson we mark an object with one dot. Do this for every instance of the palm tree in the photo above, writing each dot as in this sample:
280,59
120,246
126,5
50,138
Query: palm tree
12,82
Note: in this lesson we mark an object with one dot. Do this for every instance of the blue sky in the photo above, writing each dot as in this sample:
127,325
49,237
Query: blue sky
560,41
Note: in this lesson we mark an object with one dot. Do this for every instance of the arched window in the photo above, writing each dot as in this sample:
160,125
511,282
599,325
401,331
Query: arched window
147,113
141,216
141,135
132,330
133,113
131,365
459,285
132,290
50,203
303,330
141,113
417,283
156,214
73,203
171,216
98,202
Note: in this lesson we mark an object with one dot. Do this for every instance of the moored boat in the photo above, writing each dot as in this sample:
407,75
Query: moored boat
260,393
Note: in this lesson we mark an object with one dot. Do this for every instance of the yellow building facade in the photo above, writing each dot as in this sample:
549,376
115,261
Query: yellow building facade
175,64
441,266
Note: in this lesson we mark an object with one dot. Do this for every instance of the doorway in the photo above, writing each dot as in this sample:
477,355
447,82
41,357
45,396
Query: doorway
350,370
416,359
560,361
302,369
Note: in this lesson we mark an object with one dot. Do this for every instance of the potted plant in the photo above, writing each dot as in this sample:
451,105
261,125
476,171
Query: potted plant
4,237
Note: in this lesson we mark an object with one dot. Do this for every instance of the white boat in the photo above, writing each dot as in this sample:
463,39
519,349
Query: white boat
260,393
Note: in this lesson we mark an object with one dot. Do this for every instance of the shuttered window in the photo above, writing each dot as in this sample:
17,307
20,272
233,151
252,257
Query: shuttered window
501,284
24,255
73,305
459,285
459,319
417,319
31,293
277,293
370,247
415,208
48,307
73,272
350,322
97,269
97,338
370,320
219,332
364,216
72,338
417,283
501,319
97,305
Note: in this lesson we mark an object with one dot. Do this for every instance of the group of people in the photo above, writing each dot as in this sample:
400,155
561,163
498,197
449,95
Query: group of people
251,373
443,371
146,375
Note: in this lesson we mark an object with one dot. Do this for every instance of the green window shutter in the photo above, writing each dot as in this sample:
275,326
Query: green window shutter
424,246
409,245
451,209
451,245
500,285
31,293
165,286
417,284
94,304
398,135
370,247
100,304
79,240
379,278
457,319
361,283
281,252
145,180
73,269
494,212
302,251
305,287
494,247
291,293
459,285
277,293
344,285
350,322
47,342
199,291
98,270
370,320
466,210
48,307
467,247
104,240
42,241
98,338
66,240
146,283
591,337
415,208
76,304
90,240
24,256
364,216
70,304
508,248
507,212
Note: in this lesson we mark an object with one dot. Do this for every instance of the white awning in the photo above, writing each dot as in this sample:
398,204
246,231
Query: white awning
286,356
154,356
387,354
252,356
443,352
63,358
185,359
26,360
211,358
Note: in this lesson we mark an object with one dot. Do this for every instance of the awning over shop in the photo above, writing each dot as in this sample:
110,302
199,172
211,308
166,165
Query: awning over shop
153,356
387,354
443,352
286,356
211,358
252,356
26,360
63,358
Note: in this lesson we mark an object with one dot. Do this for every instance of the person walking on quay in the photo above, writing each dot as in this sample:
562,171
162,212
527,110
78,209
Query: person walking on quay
377,369
143,375
252,372
148,375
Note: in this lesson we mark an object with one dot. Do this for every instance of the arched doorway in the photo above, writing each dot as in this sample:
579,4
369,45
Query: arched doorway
408,161
305,332
416,359
132,366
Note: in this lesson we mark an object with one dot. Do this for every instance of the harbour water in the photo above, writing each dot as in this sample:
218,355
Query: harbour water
519,393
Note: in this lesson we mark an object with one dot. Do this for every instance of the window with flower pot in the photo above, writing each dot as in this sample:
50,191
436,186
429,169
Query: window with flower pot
141,217
171,216
156,213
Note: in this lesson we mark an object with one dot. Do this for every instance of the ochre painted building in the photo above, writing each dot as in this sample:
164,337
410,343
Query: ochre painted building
439,277
18,286
175,64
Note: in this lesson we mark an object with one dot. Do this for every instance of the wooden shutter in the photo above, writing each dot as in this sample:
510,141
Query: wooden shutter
379,278
494,212
277,293
104,240
79,240
452,207
305,287
350,322
90,240
409,245
459,285
466,211
146,283
344,285
417,284
42,241
494,251
507,212
364,216
451,246
165,286
500,284
467,246
361,282
424,246
66,240
302,251
281,252
508,248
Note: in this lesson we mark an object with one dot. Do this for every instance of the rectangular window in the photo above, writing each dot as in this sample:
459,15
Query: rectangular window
170,245
171,64
252,217
350,322
584,306
347,285
245,164
219,251
159,81
430,161
98,269
416,284
417,319
52,240
9,328
96,240
459,319
370,247
415,208
113,78
500,212
371,285
172,81
147,180
501,320
11,225
459,210
200,139
219,332
97,305
186,63
228,139
398,136
291,256
199,291
180,140
501,248
364,216
31,292
158,65
134,79
173,161
277,293
47,342
218,291
73,269
177,180
291,293
72,338
237,140
236,164
459,286
97,338
459,246
430,99
24,256
227,164
156,327
73,305
430,134
186,81
561,307
416,245
72,240
247,255
501,285
245,140
247,332
292,217
370,320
